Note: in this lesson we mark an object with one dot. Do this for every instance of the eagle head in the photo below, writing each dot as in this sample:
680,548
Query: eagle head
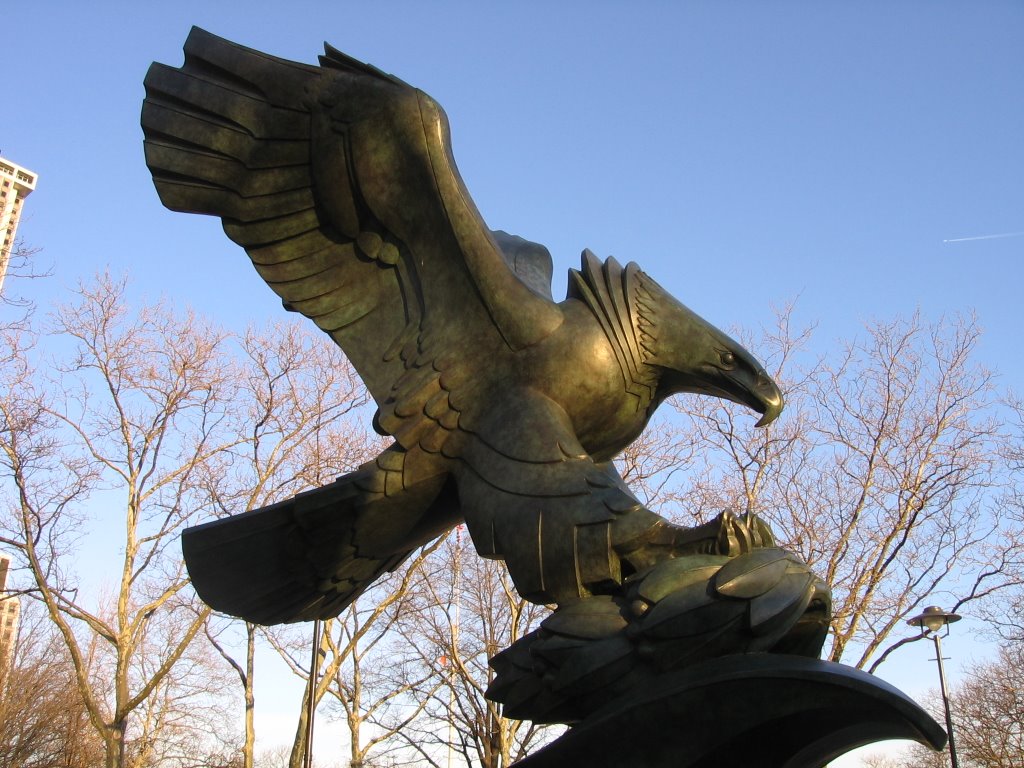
694,356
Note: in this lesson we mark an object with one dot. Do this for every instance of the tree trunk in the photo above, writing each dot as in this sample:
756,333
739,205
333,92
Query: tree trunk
114,743
299,745
249,747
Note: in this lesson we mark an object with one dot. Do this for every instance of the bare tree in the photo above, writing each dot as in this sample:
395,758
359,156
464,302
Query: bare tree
135,408
361,669
19,262
883,473
653,464
988,712
296,394
43,721
245,669
372,676
187,719
464,610
912,757
408,682
988,717
370,682
1006,615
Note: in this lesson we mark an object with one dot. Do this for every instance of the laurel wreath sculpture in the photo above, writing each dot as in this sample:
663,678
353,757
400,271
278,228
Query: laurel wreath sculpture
675,614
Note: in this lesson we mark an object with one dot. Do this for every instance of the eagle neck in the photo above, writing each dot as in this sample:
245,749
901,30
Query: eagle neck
611,293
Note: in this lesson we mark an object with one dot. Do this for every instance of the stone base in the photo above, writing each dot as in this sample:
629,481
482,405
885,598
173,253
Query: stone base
743,711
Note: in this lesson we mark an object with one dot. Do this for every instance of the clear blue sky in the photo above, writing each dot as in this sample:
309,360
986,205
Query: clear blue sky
745,153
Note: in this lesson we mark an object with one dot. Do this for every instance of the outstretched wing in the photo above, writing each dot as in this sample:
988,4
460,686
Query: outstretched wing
339,182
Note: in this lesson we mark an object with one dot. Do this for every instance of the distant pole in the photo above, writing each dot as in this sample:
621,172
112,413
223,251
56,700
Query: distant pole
455,643
945,699
931,621
314,668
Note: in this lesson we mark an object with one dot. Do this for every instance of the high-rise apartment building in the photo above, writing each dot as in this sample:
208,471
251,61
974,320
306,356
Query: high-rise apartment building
16,183
10,607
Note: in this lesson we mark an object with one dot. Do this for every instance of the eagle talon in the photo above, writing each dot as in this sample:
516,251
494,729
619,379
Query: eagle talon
729,535
740,535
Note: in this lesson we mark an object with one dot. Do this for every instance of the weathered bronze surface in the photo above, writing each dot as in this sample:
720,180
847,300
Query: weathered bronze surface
743,711
679,614
506,408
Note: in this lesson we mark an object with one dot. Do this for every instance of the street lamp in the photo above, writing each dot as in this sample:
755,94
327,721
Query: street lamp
931,621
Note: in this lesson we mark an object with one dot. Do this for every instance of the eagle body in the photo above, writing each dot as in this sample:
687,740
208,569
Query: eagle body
506,408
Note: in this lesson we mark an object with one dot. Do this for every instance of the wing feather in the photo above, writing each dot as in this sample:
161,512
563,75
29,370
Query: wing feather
311,243
338,300
275,230
286,187
297,267
204,131
204,94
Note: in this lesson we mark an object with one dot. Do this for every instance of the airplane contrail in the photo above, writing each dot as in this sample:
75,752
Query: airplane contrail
983,237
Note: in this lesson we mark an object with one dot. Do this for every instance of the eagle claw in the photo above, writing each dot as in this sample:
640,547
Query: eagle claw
741,534
728,535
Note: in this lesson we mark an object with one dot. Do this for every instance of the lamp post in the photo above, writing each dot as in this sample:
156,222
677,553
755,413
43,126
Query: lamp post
931,621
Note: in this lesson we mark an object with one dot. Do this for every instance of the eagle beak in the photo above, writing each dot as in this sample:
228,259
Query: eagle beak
769,398
750,386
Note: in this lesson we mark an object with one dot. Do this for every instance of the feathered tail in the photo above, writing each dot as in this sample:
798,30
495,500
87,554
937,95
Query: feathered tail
309,557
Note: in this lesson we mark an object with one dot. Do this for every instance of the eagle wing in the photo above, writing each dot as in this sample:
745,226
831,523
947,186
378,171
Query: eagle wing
339,182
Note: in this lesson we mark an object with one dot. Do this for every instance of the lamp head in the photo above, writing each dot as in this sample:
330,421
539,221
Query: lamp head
932,619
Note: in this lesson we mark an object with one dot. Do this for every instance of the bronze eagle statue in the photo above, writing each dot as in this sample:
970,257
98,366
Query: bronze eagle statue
506,408
507,411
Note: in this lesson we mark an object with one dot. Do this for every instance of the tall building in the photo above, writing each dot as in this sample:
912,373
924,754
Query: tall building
10,607
16,183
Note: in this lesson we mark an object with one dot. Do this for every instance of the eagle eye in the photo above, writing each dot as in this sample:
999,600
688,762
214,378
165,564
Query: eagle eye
728,359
